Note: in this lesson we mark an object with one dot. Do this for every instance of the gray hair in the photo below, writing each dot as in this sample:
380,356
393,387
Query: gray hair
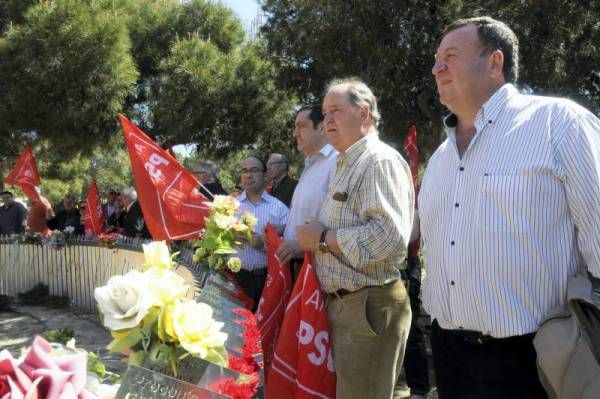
359,95
210,167
130,192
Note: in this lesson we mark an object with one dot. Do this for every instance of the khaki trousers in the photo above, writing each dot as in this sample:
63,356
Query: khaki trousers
369,329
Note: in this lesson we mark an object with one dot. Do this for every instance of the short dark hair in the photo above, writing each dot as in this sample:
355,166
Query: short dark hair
494,35
262,162
315,113
6,193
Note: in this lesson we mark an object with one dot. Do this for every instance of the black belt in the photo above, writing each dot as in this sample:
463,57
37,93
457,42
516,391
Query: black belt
478,338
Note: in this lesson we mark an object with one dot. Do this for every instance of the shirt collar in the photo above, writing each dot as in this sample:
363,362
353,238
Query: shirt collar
352,154
324,152
264,197
489,111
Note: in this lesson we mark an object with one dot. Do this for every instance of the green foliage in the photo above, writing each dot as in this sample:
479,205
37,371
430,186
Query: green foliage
390,44
59,335
65,73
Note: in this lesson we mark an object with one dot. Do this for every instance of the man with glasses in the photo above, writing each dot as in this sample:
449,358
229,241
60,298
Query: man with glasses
266,209
278,172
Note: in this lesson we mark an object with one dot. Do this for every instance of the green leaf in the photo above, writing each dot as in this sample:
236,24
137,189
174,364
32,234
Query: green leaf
134,336
137,358
217,355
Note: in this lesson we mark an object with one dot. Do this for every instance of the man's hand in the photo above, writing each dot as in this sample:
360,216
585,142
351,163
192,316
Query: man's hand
309,234
288,250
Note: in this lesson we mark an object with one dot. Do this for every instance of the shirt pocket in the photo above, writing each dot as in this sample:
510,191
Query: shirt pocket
506,203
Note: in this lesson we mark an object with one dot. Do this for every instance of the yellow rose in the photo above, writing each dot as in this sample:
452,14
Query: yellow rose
193,326
156,254
199,255
165,285
234,264
224,204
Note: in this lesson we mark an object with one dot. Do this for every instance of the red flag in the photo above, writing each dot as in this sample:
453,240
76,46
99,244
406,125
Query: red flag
275,295
303,367
173,207
25,174
93,215
412,152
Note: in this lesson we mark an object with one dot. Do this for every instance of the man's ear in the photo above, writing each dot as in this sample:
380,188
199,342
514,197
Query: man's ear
496,64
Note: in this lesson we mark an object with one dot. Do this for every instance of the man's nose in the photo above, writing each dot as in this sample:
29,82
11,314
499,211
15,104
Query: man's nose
438,67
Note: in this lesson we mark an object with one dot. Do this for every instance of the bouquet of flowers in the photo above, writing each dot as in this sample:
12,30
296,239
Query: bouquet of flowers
222,232
150,319
108,240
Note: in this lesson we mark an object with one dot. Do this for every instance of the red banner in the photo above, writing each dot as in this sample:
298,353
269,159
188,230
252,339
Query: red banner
303,367
93,215
275,295
25,174
173,207
411,150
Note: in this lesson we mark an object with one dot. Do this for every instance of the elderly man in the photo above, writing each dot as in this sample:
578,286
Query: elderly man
133,220
207,175
509,207
68,217
283,185
12,215
319,169
266,209
360,242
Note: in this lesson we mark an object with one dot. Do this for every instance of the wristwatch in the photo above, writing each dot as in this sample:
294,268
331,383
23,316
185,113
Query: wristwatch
323,247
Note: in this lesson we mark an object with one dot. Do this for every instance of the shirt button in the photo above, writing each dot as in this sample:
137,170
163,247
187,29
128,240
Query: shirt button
490,121
461,168
451,242
451,282
456,205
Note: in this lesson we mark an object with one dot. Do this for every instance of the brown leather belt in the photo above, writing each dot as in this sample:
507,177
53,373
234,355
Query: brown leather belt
342,292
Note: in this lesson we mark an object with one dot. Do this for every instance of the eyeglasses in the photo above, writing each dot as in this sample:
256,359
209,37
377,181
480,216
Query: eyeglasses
251,170
274,163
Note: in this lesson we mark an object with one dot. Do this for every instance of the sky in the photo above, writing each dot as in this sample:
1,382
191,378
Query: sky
245,9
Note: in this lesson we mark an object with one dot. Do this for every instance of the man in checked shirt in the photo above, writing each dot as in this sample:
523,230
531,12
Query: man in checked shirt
360,241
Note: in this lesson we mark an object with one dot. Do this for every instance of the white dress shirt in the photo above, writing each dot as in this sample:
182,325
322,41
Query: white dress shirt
268,210
505,225
311,189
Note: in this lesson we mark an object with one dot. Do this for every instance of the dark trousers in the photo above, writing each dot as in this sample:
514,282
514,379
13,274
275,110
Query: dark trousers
415,357
487,368
252,282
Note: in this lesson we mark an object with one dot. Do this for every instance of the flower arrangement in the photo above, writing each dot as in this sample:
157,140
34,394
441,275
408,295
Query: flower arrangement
223,231
52,371
149,318
108,240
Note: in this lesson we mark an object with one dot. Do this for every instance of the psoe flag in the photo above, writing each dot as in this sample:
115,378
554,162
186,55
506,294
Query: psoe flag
25,174
173,207
93,215
303,367
274,299
411,149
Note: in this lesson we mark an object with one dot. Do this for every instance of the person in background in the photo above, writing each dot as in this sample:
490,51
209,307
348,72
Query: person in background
207,174
282,185
39,214
68,217
133,219
13,215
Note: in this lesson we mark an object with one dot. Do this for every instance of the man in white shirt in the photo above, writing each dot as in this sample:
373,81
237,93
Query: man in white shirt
319,169
509,206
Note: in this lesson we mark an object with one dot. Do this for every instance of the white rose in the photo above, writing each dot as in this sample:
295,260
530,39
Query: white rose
124,300
165,285
225,222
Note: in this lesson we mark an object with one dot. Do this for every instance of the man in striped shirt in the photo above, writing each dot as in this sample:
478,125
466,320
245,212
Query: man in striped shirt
266,209
360,242
509,209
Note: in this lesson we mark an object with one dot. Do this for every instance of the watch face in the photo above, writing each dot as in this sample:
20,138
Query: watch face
323,247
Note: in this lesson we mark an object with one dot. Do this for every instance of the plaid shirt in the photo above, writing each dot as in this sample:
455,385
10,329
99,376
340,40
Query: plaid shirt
370,205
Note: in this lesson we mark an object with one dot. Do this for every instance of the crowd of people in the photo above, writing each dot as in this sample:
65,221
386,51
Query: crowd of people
507,211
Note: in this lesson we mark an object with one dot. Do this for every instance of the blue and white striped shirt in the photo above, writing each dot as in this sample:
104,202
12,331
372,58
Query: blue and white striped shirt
505,226
268,210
